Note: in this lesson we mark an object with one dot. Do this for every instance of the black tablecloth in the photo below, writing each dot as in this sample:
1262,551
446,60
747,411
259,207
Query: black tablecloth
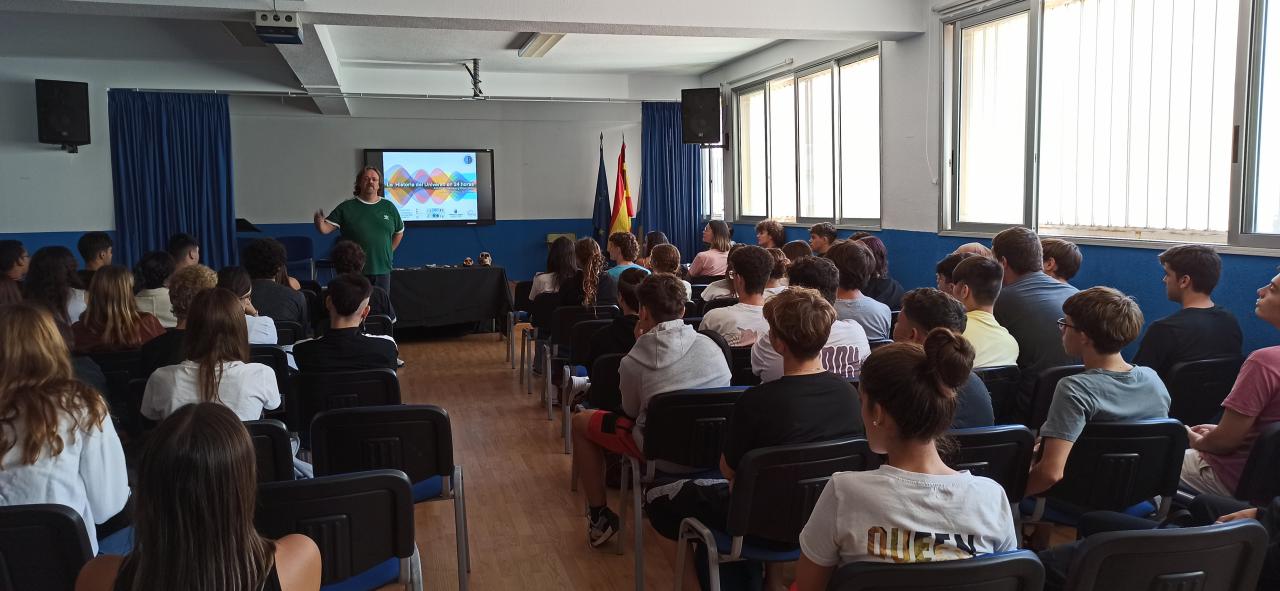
449,295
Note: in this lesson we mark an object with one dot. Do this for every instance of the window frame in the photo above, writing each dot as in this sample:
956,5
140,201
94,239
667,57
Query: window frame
842,221
1248,111
714,192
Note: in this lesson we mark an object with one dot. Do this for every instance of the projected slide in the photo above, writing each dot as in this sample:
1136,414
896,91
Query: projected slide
431,185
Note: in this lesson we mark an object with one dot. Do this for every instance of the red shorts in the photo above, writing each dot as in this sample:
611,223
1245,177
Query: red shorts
612,431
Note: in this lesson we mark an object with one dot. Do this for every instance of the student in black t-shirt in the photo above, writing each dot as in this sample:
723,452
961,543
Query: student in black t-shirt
1199,330
924,309
348,257
807,404
343,347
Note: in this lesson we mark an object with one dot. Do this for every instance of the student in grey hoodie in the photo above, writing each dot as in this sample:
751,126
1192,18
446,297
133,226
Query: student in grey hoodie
669,355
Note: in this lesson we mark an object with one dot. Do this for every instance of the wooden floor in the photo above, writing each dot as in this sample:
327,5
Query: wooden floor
528,531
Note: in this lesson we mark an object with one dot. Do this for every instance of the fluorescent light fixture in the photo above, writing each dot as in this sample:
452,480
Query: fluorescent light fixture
539,44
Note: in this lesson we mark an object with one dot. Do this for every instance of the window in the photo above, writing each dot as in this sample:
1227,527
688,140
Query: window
808,146
1260,222
712,182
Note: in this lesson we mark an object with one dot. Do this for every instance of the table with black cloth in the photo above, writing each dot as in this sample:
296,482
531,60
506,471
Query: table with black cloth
438,296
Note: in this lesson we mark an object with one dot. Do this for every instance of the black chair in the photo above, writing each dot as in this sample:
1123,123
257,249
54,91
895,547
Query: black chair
556,347
41,547
415,439
321,391
692,309
604,393
1114,466
317,313
876,344
579,353
740,367
363,524
1042,395
1001,453
274,357
519,312
1002,383
718,339
1019,570
1223,557
379,324
1197,388
1260,479
697,291
540,310
272,447
129,416
288,332
694,321
893,320
300,250
719,303
774,491
703,280
120,367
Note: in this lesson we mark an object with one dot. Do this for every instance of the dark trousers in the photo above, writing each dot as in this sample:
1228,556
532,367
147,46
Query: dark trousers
1205,510
383,281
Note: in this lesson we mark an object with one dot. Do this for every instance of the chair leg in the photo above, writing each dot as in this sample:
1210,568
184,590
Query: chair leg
524,346
460,528
573,475
411,571
511,339
625,481
638,526
546,379
566,390
693,530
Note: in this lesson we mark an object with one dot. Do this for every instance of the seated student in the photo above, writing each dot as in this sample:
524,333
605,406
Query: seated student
264,258
58,443
1062,259
651,240
184,249
1200,329
167,349
111,320
560,268
974,248
665,258
95,249
623,251
13,268
669,355
751,268
880,285
976,283
778,275
1096,324
770,234
344,347
856,264
348,257
821,237
806,404
151,274
216,368
908,401
1218,453
714,261
590,284
196,531
618,337
722,288
797,249
846,347
1029,306
924,309
262,329
945,267
52,282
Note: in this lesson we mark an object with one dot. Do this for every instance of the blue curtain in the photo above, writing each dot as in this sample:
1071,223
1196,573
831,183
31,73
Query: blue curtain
670,179
171,172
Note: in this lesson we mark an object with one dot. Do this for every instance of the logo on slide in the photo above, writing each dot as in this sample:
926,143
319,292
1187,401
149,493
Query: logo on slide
467,159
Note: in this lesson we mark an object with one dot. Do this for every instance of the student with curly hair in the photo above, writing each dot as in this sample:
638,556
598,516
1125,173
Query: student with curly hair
591,285
623,251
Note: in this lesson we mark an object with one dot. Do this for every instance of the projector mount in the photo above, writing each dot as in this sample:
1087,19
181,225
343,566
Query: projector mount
474,71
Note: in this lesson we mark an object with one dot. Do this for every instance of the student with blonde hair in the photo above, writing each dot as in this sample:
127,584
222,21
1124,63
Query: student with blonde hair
111,320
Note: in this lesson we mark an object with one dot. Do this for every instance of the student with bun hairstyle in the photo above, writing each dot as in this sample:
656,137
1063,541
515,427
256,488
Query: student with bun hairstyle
778,275
908,400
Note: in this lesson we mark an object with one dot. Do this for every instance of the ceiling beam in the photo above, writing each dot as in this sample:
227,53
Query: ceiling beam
316,67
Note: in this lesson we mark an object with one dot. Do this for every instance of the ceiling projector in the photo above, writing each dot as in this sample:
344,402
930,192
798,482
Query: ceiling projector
278,28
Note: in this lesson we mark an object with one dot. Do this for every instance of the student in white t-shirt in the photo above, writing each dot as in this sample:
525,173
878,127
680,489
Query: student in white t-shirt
847,345
216,369
751,267
913,508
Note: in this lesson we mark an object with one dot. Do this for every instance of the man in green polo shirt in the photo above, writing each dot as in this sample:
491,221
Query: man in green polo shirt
370,221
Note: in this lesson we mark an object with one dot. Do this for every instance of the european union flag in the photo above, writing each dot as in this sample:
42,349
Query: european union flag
600,213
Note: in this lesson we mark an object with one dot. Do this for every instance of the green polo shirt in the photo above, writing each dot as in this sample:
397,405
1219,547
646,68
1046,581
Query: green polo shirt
371,225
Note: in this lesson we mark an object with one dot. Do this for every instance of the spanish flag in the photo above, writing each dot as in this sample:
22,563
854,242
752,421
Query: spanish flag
623,208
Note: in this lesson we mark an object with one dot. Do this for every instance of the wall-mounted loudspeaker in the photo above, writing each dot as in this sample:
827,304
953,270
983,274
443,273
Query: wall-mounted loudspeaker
700,113
62,113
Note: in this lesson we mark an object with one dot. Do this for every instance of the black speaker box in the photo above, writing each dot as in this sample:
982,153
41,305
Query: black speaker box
700,114
62,112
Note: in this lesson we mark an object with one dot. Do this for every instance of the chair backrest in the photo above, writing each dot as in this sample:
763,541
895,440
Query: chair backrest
41,547
692,309
274,357
564,317
119,368
119,361
694,321
416,439
288,332
541,308
740,367
1197,388
358,520
1114,466
1001,453
379,324
604,393
697,291
703,280
312,286
724,302
521,296
272,448
1260,480
321,391
580,340
1042,396
876,344
1223,557
718,339
688,427
775,488
1019,570
1002,383
893,320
